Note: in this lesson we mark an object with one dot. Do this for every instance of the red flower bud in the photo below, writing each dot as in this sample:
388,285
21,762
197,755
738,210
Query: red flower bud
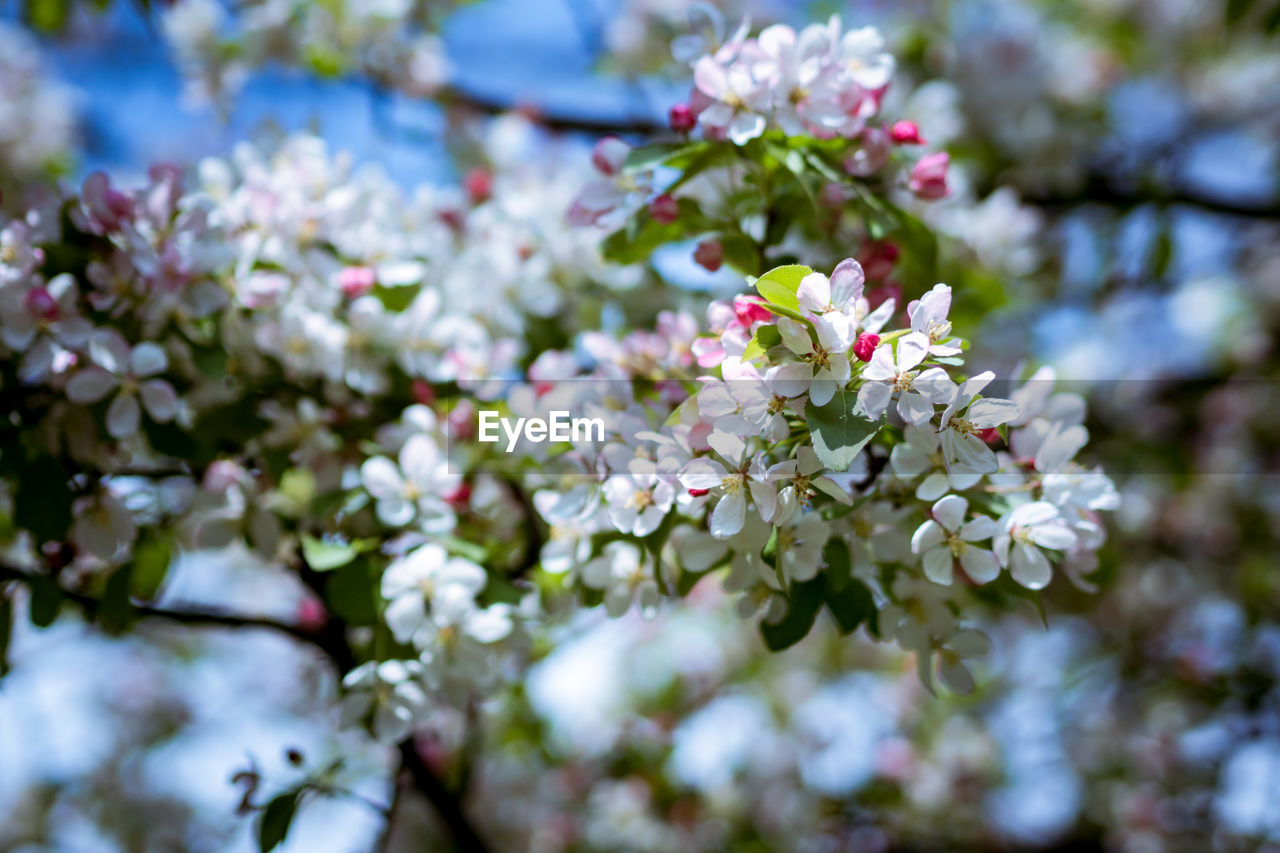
423,393
877,258
749,309
865,345
479,185
681,118
709,255
697,493
40,303
664,209
906,133
991,435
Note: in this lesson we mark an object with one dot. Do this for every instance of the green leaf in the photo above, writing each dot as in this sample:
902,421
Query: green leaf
643,234
649,156
349,593
276,819
847,597
396,298
837,432
803,604
151,558
48,16
778,286
1234,10
46,601
765,339
785,312
324,555
212,361
740,252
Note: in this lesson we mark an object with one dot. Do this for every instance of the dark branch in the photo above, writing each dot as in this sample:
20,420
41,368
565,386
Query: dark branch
195,616
552,118
1099,190
446,804
332,640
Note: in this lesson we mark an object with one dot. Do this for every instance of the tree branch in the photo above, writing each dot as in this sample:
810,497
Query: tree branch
1099,190
330,639
446,804
551,118
196,616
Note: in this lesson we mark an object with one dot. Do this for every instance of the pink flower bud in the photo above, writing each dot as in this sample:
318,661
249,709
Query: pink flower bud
609,155
459,497
681,118
865,345
877,258
929,177
311,615
750,309
697,493
356,281
872,154
709,255
479,185
664,209
906,133
422,392
41,304
991,435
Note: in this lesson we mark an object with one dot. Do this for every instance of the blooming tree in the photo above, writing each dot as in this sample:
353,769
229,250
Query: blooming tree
282,352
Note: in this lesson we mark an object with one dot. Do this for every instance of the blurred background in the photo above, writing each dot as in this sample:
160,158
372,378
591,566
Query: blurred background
1117,167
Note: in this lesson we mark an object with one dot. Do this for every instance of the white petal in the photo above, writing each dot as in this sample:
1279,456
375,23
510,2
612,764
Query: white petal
1029,566
123,415
90,385
979,564
702,474
381,477
395,511
795,335
147,359
938,566
405,615
160,400
928,535
949,511
933,487
982,527
912,349
108,348
728,516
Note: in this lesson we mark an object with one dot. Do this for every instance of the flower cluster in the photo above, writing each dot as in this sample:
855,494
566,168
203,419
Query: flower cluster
828,456
386,41
267,355
822,81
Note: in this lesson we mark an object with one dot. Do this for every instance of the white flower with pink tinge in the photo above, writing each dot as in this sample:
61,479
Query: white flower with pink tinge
736,100
412,488
947,538
642,497
1025,530
821,369
887,374
733,483
130,372
928,316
